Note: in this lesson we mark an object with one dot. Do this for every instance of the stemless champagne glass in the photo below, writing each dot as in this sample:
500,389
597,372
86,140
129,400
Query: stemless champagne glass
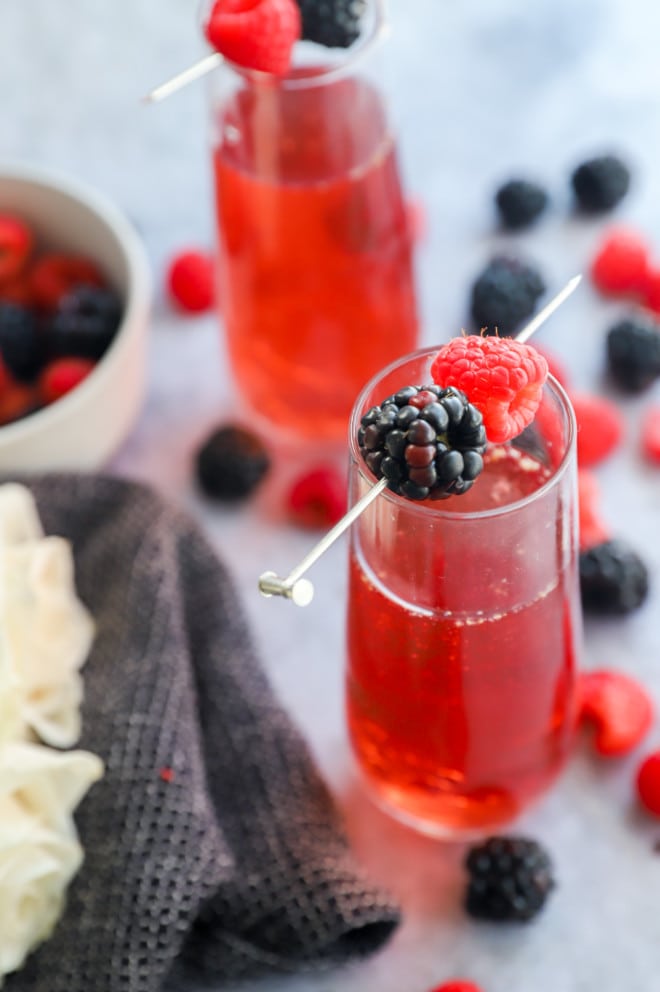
464,627
314,244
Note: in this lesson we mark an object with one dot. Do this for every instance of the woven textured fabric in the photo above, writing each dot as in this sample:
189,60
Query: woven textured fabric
213,850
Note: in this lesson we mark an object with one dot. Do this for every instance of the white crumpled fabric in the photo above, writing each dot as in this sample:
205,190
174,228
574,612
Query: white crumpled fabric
39,849
45,631
45,636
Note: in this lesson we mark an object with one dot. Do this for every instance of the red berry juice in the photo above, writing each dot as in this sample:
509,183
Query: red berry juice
462,649
316,280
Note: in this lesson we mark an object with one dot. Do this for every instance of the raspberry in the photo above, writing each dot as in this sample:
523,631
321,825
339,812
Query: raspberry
457,985
651,435
191,281
600,183
621,262
620,709
230,463
416,215
61,376
16,244
592,530
17,290
501,377
600,428
633,353
318,498
613,578
504,295
426,441
56,273
17,400
255,34
510,878
648,783
519,203
85,323
20,345
651,290
333,23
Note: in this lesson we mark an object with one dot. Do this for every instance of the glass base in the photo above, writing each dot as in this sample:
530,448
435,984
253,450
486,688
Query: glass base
453,818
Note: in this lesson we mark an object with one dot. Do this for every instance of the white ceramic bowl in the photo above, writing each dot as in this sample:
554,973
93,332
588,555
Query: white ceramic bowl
84,428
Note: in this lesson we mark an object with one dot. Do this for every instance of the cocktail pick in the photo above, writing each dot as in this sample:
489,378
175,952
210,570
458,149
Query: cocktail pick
209,62
301,591
195,71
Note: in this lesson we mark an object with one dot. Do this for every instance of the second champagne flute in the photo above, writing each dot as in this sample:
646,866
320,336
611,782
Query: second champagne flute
314,243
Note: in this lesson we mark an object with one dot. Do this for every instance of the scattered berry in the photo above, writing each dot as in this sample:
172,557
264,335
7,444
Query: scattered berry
255,34
417,225
620,709
613,578
633,353
510,878
621,262
503,378
318,498
20,346
520,203
333,23
651,290
426,441
600,428
504,295
230,463
651,435
600,183
457,985
648,783
55,274
191,281
61,376
85,323
592,529
16,244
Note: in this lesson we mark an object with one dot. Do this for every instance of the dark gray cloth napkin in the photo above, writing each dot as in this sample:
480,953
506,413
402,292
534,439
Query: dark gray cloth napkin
213,850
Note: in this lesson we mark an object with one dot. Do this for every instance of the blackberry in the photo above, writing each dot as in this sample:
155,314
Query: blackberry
504,295
613,578
426,441
633,354
510,878
20,342
519,203
333,23
230,463
85,323
600,183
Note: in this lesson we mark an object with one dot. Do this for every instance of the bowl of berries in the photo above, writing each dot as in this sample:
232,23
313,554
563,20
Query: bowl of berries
75,295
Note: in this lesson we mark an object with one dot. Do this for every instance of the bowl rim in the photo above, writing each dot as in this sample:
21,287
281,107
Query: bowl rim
139,292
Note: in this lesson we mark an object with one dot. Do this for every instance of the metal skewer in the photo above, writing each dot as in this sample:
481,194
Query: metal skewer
548,309
200,68
301,591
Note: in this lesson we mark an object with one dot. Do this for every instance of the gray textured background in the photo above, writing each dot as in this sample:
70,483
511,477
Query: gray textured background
480,90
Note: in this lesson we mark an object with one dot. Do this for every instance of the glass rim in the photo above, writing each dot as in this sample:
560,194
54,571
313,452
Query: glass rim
437,512
320,75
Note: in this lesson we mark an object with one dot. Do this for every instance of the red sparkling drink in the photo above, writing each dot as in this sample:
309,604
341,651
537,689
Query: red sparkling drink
464,628
316,275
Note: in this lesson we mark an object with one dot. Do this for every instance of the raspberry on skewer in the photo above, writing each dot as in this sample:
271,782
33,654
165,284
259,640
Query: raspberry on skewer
260,35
